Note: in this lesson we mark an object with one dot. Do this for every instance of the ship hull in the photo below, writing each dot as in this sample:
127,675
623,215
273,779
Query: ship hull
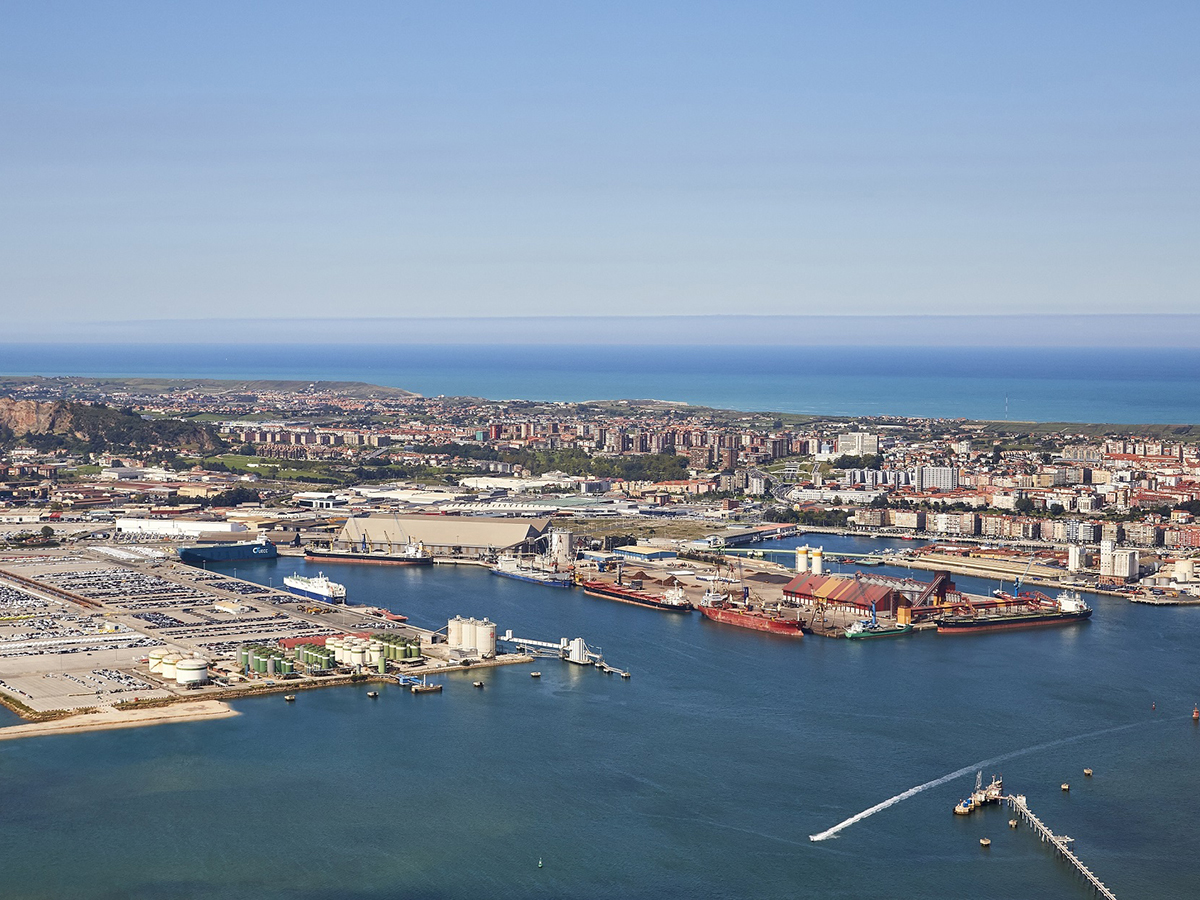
560,581
227,552
974,625
383,559
879,633
313,595
606,592
752,621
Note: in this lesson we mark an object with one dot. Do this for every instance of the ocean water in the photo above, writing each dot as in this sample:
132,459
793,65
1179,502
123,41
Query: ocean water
700,777
1020,384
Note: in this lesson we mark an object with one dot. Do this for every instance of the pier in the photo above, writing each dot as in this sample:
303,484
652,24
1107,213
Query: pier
1060,842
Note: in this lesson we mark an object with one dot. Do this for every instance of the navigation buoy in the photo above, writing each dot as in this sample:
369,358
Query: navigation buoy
1153,705
1196,713
539,862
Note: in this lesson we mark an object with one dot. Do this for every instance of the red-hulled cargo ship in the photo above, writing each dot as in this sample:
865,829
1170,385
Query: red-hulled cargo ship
672,601
747,617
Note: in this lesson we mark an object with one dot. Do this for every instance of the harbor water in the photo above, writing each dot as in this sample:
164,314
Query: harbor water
702,776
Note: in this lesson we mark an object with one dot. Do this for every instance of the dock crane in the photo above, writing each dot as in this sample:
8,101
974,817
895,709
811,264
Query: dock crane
1019,580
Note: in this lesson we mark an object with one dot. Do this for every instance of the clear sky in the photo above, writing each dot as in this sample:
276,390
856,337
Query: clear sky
167,160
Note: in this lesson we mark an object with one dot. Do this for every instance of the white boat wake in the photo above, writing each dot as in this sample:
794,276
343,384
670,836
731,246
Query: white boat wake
958,773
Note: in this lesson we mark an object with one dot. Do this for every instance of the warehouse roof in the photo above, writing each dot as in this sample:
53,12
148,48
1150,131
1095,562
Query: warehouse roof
444,531
837,589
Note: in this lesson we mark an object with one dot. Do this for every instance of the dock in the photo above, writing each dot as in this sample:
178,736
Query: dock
1060,843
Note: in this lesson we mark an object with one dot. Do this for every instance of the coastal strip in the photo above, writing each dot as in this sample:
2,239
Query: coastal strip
199,711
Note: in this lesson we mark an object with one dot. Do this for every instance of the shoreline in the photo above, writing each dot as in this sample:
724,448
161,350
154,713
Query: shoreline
105,720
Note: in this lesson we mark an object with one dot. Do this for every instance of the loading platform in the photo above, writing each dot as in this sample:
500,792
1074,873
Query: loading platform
1060,842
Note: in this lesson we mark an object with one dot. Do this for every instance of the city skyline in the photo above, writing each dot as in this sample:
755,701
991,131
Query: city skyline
305,162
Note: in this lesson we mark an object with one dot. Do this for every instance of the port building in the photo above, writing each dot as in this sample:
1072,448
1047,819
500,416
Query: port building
838,593
471,536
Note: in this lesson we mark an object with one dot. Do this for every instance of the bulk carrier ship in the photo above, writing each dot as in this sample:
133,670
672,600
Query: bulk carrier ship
1042,611
409,554
719,608
523,570
674,600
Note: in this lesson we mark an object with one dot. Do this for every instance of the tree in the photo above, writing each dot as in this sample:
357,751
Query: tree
47,531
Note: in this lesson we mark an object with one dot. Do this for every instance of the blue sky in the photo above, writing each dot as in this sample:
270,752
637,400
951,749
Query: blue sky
464,159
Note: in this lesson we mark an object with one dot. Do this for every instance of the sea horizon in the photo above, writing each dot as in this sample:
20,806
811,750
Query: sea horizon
1101,385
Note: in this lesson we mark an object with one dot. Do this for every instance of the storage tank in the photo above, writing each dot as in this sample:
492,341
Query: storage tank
485,639
272,665
1185,571
191,671
468,637
454,633
156,658
358,657
818,561
802,559
167,669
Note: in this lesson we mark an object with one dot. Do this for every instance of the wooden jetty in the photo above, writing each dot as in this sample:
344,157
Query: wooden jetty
1060,842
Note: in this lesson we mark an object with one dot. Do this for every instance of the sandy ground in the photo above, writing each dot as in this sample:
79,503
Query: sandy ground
133,718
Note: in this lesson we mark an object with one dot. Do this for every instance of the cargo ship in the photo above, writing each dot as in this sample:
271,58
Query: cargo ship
1066,610
673,600
718,608
318,588
406,555
206,553
865,628
523,570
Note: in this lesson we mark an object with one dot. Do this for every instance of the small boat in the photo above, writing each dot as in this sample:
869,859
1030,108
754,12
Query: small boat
1065,786
535,674
478,684
372,694
1196,713
985,842
426,688
1012,823
1087,773
290,698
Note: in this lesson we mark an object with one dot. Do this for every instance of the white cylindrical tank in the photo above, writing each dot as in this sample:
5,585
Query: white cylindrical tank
468,637
802,559
1185,571
358,657
191,671
454,633
167,669
485,638
156,658
818,561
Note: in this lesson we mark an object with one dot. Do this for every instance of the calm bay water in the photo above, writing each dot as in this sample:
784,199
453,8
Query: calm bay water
702,776
1057,384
